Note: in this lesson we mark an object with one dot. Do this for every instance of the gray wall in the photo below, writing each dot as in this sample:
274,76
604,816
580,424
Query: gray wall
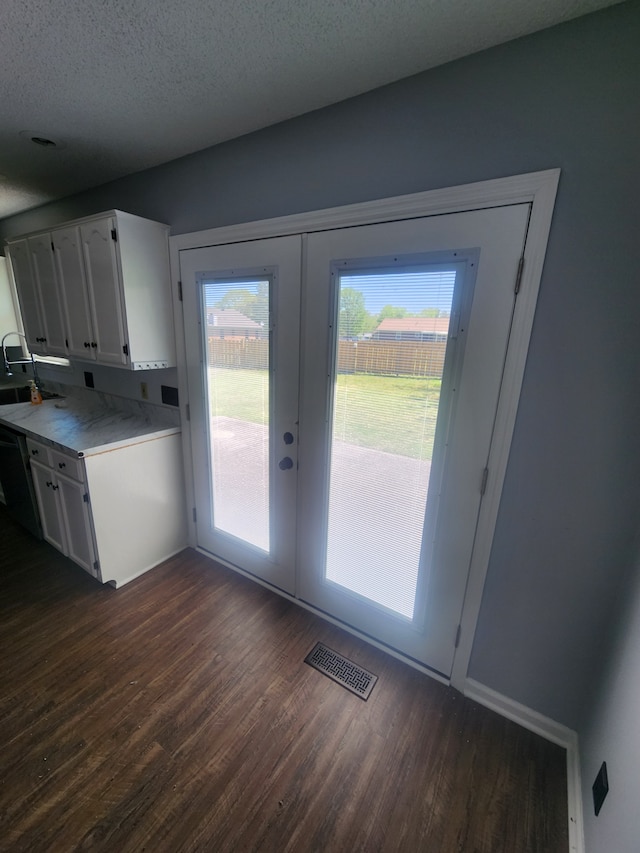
564,97
613,735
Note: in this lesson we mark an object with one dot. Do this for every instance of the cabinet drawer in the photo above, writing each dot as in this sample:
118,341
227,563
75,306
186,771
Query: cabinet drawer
39,451
66,464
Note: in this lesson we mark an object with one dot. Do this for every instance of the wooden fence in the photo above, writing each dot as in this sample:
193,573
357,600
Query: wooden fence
250,354
385,358
392,358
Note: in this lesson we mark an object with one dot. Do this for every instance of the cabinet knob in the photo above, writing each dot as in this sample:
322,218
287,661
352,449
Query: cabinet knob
49,484
87,344
94,345
34,452
55,487
62,464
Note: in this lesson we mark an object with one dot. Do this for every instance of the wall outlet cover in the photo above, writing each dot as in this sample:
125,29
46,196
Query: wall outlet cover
600,788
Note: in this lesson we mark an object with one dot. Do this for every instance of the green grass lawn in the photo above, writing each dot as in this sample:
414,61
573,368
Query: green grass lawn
390,413
238,393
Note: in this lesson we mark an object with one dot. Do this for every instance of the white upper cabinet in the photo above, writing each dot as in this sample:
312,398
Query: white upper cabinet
75,299
111,300
33,268
100,246
47,286
18,253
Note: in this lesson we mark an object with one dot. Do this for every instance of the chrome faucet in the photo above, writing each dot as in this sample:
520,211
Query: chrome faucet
8,364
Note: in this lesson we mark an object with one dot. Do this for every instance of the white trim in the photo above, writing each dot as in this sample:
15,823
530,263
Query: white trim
537,188
521,714
543,200
574,799
551,731
183,386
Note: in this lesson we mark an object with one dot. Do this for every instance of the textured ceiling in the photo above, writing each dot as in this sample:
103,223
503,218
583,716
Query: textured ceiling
122,85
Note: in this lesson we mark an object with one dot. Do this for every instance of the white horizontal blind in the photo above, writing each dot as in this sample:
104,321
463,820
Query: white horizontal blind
392,333
235,321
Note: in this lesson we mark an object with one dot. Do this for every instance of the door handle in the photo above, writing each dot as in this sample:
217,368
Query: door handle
285,463
288,438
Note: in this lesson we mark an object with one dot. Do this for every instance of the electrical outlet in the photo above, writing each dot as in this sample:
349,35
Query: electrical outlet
600,788
144,391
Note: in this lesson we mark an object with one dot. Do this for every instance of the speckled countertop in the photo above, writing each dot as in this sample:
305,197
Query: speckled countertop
75,426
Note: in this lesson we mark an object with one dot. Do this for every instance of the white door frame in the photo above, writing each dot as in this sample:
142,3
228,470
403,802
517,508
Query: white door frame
538,188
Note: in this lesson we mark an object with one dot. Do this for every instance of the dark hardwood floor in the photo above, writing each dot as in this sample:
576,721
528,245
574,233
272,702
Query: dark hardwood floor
177,714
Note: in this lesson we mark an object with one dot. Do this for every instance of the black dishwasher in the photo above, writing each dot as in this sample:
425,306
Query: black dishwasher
16,485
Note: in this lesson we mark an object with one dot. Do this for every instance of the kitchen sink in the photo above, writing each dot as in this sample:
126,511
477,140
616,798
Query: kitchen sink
21,394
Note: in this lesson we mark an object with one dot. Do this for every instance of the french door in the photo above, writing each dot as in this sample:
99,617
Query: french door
343,388
242,315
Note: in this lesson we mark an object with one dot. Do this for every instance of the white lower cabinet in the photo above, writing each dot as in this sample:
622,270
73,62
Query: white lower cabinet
116,513
65,515
74,505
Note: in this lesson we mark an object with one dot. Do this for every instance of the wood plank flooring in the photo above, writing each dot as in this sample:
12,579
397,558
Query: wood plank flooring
177,714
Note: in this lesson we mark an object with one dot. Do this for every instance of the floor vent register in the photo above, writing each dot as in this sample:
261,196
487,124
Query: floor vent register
343,671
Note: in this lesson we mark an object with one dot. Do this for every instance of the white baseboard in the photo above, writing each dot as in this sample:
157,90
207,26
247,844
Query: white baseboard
550,730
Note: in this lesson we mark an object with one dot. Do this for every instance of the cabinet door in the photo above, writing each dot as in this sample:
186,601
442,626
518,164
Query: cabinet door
73,290
77,523
47,287
100,247
27,296
48,504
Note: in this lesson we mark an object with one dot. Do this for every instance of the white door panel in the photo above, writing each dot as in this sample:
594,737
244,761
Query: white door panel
499,235
237,460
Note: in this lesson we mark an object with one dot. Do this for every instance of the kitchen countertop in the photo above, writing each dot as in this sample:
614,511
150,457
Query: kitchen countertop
82,429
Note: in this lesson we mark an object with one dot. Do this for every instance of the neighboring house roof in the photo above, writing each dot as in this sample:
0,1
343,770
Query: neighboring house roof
229,318
428,325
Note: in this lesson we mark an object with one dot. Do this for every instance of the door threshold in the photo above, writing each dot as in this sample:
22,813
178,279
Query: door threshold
414,664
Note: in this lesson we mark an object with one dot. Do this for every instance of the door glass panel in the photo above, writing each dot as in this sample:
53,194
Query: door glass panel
238,392
393,329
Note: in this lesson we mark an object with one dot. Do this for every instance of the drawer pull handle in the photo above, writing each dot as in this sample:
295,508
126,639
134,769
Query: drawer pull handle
62,464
